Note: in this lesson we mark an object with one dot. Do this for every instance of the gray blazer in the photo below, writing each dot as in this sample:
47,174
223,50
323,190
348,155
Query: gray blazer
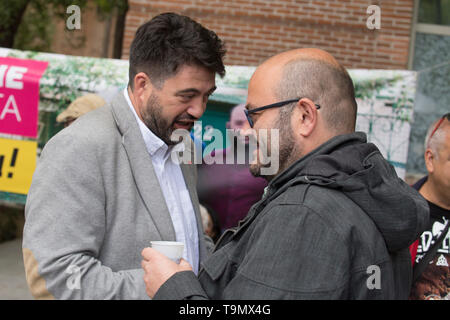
94,204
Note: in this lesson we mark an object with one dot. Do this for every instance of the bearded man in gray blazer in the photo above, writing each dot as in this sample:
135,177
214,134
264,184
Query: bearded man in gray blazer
106,186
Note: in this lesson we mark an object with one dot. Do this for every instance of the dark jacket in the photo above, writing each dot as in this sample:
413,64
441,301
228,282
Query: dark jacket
335,225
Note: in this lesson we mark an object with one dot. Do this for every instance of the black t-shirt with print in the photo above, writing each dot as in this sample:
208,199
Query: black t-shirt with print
434,282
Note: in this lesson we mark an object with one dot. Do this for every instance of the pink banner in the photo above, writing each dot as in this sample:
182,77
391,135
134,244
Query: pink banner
19,95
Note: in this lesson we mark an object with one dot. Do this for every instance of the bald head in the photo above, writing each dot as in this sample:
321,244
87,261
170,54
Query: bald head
314,74
305,53
441,132
436,189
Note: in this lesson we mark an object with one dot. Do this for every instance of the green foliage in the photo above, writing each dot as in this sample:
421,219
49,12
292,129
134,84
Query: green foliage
107,6
36,28
398,101
366,88
8,10
10,14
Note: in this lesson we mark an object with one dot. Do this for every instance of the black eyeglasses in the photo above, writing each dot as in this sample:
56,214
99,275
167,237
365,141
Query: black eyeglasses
274,105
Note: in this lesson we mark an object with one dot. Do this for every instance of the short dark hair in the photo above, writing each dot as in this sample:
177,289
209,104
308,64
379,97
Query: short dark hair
170,40
328,85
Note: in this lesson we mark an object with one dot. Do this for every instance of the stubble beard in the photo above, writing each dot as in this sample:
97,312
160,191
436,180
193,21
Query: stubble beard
287,150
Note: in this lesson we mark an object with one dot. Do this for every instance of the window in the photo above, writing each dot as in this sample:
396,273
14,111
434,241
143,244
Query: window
434,12
430,57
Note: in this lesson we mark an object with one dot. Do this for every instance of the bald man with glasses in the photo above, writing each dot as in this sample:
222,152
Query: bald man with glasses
335,221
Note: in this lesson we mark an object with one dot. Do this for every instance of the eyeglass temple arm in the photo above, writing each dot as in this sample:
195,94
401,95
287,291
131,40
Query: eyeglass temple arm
276,105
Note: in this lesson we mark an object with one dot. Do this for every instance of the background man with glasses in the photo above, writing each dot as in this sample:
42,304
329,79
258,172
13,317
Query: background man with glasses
229,188
431,252
335,221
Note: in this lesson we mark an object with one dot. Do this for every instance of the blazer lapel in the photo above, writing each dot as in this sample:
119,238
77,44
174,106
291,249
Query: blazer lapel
141,165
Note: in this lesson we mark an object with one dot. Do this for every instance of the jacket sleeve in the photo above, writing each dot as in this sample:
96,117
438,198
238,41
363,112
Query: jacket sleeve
290,254
181,286
65,225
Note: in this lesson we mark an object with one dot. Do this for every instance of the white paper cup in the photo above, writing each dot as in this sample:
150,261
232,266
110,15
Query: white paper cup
171,249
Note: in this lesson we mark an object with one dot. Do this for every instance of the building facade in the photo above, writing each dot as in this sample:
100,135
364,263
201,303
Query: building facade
257,29
412,34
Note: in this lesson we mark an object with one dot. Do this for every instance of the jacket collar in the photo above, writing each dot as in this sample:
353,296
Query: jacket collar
299,167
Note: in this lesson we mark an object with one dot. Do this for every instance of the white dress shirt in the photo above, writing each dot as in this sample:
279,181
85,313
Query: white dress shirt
174,189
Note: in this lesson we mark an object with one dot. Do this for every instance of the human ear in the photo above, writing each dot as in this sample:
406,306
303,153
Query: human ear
429,156
305,117
141,87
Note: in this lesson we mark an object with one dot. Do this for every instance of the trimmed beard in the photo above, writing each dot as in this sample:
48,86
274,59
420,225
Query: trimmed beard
153,119
287,148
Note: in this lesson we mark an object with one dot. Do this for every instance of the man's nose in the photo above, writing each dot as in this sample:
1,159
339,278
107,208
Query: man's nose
197,108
